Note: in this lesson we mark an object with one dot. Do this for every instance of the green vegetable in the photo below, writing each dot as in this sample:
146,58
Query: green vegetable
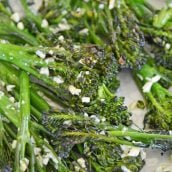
87,22
59,110
158,96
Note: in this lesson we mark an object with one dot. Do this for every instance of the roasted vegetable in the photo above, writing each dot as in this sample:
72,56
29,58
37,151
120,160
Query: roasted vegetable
59,110
154,83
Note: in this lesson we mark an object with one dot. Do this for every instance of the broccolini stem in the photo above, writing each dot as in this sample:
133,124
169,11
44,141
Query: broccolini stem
99,137
23,133
139,135
32,156
8,112
10,131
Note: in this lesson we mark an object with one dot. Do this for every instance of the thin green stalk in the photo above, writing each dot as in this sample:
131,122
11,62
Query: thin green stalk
8,110
23,133
139,135
32,156
97,136
10,130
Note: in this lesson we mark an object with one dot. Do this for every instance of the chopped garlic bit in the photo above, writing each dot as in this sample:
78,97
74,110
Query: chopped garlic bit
60,48
15,17
44,71
62,26
45,160
140,77
103,119
40,54
10,87
151,81
37,151
61,38
67,123
77,168
12,99
64,12
86,99
124,129
79,12
85,114
81,162
111,4
87,72
95,118
76,47
49,60
73,90
84,31
44,23
125,169
167,46
20,25
80,75
102,100
24,164
125,148
14,144
49,155
58,79
102,132
101,6
132,151
51,52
